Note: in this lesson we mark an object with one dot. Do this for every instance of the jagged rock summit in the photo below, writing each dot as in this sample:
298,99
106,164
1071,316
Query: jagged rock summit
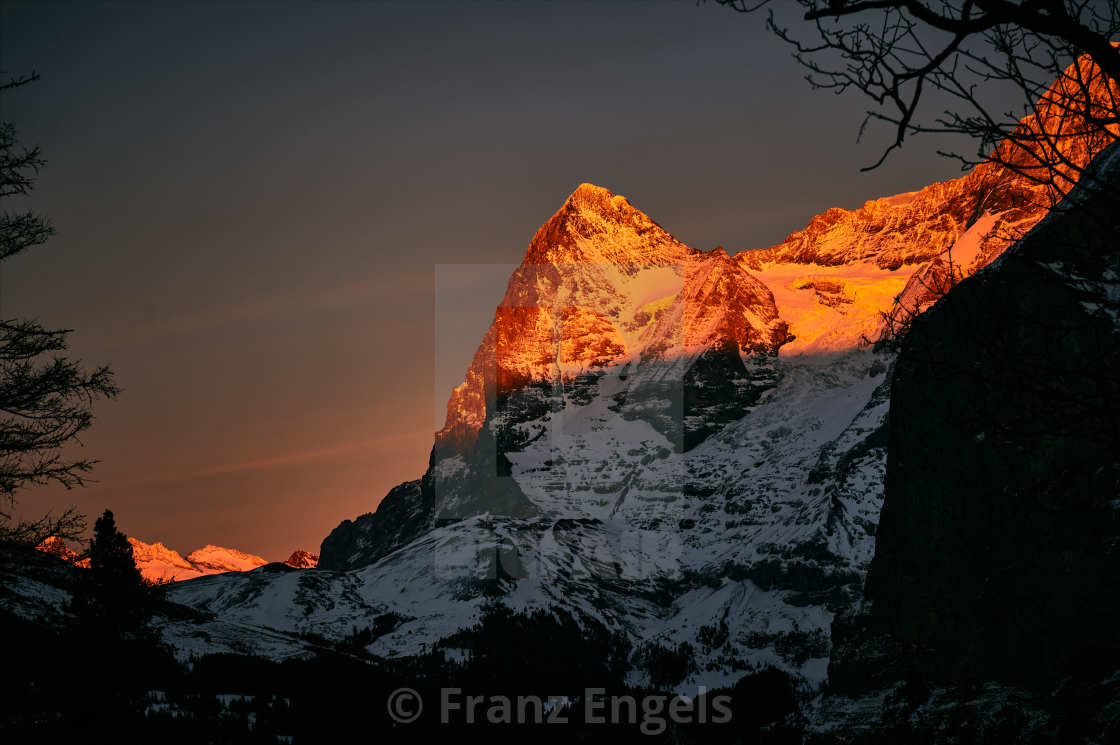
301,559
596,226
56,546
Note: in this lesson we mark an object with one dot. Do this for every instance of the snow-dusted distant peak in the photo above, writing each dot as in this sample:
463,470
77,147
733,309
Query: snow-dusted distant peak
158,563
212,559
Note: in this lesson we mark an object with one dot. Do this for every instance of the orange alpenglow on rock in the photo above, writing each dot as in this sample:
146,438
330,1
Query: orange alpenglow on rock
301,559
898,255
604,285
55,546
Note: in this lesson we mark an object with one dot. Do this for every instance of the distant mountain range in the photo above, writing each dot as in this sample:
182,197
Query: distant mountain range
160,564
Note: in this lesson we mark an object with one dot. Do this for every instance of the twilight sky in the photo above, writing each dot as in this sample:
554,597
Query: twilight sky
252,200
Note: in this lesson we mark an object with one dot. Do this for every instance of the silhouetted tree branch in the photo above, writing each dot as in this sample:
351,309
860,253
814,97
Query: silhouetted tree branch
69,525
897,51
46,399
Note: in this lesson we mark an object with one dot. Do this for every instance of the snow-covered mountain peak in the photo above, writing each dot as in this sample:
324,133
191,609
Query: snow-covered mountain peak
158,563
596,226
147,552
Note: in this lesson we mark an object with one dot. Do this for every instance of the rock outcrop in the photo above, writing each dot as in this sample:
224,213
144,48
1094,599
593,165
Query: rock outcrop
997,557
301,559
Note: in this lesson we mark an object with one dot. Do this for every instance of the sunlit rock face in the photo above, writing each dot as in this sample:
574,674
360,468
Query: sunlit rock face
301,559
55,546
900,254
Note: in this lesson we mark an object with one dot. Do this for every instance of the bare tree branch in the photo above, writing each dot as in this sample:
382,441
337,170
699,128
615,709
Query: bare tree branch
899,52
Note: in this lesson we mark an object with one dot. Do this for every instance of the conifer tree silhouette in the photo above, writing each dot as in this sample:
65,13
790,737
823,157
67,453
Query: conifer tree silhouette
110,557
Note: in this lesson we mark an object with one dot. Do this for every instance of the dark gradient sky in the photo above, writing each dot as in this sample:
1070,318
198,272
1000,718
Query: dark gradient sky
251,201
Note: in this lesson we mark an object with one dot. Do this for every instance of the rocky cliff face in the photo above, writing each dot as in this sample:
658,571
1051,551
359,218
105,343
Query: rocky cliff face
998,551
402,515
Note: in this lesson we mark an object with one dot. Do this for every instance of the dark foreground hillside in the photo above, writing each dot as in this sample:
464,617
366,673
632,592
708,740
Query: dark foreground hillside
66,680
